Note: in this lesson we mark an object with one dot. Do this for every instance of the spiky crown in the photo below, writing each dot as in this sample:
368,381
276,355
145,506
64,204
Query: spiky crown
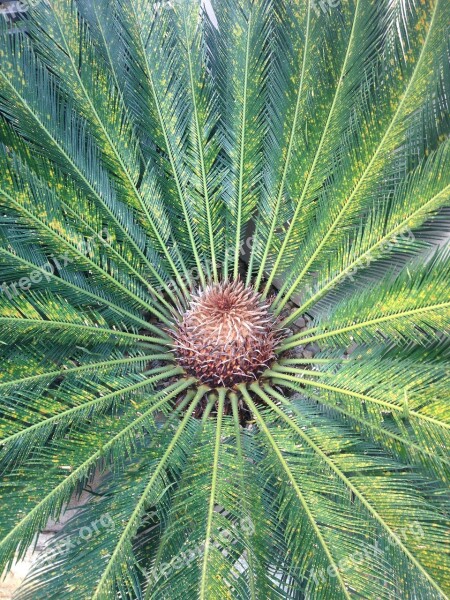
227,335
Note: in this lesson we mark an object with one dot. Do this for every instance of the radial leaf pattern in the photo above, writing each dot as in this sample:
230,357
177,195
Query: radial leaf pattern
224,298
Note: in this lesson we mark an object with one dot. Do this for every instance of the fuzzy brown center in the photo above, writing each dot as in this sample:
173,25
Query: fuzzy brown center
227,335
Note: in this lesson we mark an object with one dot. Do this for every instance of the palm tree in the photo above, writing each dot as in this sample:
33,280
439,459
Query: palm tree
224,294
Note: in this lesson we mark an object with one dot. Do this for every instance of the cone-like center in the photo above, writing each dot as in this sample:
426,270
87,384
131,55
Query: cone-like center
227,335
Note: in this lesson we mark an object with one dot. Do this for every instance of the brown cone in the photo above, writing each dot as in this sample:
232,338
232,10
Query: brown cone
227,336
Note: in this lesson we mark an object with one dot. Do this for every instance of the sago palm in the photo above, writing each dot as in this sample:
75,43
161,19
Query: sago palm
224,295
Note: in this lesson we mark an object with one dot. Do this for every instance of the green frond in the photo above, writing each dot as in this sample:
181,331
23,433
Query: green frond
357,474
392,229
399,402
412,306
364,149
240,67
111,443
